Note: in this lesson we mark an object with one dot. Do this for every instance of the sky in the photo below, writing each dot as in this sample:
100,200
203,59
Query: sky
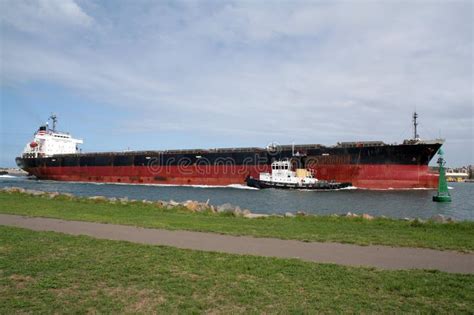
125,74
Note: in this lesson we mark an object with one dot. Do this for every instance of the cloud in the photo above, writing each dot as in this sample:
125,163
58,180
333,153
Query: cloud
36,16
304,71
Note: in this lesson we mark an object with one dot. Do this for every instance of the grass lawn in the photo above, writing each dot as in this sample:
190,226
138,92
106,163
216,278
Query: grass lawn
46,272
455,236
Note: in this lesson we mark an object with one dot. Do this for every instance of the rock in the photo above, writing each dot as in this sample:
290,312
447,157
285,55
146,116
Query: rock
225,207
173,203
406,219
147,202
237,211
113,200
255,215
204,207
98,198
417,222
192,205
439,218
349,214
34,192
52,195
289,215
14,190
67,195
367,216
161,203
213,209
301,213
246,212
123,200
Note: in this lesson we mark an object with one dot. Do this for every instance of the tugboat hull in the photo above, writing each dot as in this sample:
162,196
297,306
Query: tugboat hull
320,185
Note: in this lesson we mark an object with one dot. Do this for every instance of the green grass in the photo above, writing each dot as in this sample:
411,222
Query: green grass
455,236
46,272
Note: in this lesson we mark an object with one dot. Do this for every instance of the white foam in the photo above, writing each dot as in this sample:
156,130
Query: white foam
234,186
349,188
8,176
239,186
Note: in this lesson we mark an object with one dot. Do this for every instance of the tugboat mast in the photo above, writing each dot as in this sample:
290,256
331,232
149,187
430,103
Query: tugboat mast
415,125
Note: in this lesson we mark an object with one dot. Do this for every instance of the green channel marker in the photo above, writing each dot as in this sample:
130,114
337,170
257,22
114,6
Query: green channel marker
443,192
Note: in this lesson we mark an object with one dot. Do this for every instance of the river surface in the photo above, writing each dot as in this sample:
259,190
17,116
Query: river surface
390,203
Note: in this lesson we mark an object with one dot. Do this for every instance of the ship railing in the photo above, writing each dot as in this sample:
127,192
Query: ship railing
200,151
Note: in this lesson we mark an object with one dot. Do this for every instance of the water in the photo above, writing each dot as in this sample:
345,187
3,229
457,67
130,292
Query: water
390,203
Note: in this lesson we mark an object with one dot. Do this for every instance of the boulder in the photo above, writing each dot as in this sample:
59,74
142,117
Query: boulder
237,211
67,195
98,198
225,207
289,215
113,200
255,215
52,195
213,209
173,203
161,203
14,190
34,192
123,200
246,212
439,218
203,207
367,216
301,213
192,206
147,202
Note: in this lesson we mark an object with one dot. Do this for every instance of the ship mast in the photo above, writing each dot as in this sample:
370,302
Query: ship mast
54,118
415,125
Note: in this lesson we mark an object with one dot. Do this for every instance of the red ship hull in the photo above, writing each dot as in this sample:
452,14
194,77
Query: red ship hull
367,176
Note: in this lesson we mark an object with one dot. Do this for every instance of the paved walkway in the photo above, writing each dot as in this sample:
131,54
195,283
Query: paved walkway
383,257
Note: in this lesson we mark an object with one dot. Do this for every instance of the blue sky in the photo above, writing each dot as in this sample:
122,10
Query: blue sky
203,74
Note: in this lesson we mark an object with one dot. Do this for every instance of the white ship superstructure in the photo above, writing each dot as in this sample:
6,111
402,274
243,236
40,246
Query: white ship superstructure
282,172
49,142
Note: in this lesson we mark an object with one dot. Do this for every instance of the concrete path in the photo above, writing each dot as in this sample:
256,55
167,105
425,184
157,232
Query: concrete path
383,257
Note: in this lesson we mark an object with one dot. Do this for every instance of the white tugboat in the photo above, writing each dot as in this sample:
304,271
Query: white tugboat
283,176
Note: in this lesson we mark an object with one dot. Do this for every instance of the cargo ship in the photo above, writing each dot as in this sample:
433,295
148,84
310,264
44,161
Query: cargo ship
55,155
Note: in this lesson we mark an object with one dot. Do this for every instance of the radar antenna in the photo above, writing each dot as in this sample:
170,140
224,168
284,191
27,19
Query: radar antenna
54,118
415,125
